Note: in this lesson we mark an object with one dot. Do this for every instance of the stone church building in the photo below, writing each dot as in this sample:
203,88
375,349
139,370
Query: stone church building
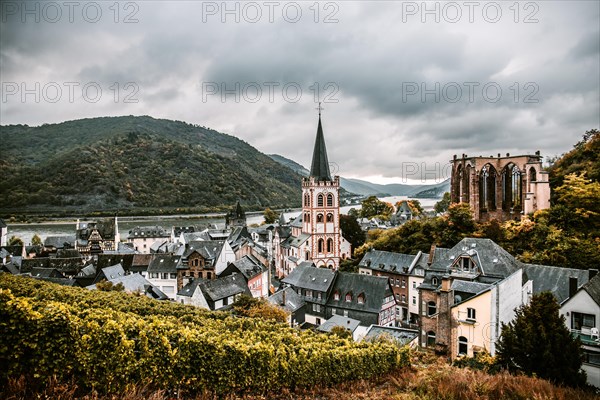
315,235
502,188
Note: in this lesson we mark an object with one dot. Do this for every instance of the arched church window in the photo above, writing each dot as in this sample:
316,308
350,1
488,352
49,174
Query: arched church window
516,187
319,217
487,188
329,217
307,200
329,200
329,245
320,245
320,200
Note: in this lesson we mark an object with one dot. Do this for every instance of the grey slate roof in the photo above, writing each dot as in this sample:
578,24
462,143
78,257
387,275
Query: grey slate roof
306,276
59,281
137,283
208,249
293,302
46,273
387,261
59,241
2,224
164,263
226,286
492,259
319,168
592,287
404,336
553,279
297,222
374,289
338,320
148,231
469,287
249,266
113,272
300,240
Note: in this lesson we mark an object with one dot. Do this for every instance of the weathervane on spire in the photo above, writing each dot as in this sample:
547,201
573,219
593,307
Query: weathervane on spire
320,109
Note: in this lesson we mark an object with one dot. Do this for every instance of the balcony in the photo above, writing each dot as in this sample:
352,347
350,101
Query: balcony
585,336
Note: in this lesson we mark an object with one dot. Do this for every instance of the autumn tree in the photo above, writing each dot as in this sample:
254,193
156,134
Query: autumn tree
15,241
270,216
351,231
248,306
373,207
36,240
538,342
442,205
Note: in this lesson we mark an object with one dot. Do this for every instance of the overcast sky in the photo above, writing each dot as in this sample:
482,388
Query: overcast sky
402,84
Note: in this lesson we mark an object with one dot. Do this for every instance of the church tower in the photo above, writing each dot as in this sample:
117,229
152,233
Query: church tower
321,207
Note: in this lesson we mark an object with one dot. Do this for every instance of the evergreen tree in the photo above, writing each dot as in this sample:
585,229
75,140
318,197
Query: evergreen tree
538,342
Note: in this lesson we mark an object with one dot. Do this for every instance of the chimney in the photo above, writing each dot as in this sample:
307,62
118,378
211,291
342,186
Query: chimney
431,254
283,297
592,273
445,283
572,286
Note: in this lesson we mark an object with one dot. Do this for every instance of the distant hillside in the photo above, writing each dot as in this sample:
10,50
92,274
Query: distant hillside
365,188
135,163
584,157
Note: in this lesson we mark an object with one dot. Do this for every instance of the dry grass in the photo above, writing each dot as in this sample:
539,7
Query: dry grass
429,378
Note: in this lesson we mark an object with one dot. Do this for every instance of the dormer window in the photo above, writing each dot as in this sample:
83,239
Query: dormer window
434,281
361,298
348,297
336,295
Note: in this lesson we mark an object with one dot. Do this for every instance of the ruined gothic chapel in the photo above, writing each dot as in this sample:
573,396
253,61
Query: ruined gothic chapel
502,188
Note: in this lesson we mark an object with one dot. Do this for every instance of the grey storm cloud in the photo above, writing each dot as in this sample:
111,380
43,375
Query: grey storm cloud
397,86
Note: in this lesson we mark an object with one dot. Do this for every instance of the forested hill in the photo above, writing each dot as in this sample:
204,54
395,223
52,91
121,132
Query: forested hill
135,164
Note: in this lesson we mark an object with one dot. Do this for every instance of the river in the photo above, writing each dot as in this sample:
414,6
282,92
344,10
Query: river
55,228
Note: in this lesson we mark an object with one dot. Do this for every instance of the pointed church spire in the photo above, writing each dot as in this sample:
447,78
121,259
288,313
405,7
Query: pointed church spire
319,168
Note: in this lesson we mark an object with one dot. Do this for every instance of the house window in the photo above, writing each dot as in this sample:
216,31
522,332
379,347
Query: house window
471,313
209,275
330,200
404,298
173,276
336,296
320,200
403,283
434,281
348,297
580,320
226,301
318,295
361,299
165,275
431,308
333,311
414,285
153,275
430,338
329,217
309,293
462,345
414,300
345,313
316,307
